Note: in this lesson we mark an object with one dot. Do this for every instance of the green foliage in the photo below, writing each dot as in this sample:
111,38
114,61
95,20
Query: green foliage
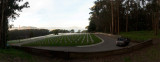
84,31
13,7
13,53
72,31
56,31
92,26
27,33
139,35
31,34
8,10
151,54
139,15
79,31
127,59
14,41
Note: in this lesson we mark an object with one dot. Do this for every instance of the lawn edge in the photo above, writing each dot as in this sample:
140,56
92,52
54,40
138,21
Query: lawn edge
102,41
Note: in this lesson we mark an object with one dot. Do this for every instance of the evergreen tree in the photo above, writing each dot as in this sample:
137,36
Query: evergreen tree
8,10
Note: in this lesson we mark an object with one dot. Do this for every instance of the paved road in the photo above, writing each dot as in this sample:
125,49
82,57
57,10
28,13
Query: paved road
107,45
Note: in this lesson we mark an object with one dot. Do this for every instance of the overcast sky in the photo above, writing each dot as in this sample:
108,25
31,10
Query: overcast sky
66,14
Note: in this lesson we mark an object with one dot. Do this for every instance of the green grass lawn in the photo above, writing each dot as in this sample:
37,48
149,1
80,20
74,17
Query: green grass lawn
17,41
139,35
67,40
150,54
13,42
9,55
14,55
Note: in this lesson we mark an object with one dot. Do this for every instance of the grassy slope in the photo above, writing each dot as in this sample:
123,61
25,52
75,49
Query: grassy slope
139,35
11,55
149,54
13,42
69,40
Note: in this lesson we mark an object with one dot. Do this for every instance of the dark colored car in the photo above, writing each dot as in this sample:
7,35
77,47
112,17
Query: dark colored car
122,41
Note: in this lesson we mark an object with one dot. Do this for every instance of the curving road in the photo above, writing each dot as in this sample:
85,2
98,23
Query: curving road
107,45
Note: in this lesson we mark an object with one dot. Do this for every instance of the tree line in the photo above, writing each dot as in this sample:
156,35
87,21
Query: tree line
27,33
56,31
115,16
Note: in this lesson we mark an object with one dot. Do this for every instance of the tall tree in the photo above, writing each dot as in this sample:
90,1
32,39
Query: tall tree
8,10
125,15
112,16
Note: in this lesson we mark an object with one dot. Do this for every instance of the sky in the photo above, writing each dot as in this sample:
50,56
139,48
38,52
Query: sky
51,14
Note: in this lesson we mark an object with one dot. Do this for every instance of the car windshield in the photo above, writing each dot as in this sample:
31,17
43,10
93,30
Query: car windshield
121,39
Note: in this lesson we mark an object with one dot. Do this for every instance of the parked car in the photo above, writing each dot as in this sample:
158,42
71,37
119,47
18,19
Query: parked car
122,41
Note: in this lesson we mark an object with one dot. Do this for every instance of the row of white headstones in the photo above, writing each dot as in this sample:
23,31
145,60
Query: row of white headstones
76,38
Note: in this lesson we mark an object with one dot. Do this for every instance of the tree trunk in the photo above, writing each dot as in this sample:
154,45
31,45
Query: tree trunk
118,16
156,23
115,27
152,20
137,19
112,17
2,19
105,29
3,25
157,19
110,28
127,17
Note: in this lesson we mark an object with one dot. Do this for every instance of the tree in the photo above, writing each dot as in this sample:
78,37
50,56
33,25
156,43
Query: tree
156,16
56,32
86,27
79,31
127,13
118,5
114,16
72,31
92,26
9,9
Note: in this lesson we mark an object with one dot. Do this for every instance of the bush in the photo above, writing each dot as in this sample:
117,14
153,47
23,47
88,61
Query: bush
56,31
27,33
